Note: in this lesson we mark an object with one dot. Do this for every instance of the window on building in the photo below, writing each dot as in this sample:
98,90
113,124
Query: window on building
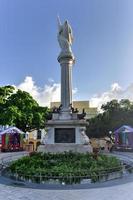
39,134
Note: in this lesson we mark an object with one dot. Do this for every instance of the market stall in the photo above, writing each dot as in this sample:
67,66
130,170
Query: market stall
11,139
124,136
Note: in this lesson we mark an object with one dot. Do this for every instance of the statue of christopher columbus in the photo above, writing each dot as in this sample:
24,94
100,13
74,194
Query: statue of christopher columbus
65,37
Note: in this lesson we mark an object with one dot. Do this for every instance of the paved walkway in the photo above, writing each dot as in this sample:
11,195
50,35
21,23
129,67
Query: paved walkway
12,155
119,192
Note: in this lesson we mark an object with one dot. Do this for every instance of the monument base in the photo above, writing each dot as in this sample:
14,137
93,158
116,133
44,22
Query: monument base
65,147
66,135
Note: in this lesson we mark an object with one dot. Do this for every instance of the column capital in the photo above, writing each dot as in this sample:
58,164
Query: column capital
66,57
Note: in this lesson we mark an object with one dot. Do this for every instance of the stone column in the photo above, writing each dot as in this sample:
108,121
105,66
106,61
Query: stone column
66,63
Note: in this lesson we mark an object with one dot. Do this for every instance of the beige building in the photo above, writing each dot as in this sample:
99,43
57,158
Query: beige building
90,111
33,139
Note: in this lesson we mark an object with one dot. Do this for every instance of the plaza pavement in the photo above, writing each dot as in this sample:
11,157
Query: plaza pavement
110,191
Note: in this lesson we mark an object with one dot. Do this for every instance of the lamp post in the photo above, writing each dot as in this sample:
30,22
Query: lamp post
111,136
110,133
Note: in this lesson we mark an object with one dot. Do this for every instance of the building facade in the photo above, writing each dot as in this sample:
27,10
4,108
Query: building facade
34,138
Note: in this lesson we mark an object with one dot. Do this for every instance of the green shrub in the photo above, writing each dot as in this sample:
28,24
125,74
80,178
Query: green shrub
69,167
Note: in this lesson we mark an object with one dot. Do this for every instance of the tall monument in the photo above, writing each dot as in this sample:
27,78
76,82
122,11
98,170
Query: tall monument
66,60
66,127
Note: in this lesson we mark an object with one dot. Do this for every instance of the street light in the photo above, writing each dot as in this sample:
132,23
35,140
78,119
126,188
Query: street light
111,136
110,133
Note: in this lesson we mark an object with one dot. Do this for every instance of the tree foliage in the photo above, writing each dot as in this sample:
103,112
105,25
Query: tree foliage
5,92
115,114
20,109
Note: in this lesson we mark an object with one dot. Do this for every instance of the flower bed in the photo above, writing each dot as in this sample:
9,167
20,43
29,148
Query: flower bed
65,167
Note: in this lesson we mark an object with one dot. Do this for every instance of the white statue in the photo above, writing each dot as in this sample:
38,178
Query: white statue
65,36
85,138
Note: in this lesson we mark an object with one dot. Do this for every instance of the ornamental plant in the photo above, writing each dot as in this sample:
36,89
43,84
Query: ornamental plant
67,167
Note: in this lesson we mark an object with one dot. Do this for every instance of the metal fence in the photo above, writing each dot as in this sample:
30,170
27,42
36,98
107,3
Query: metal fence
68,177
55,177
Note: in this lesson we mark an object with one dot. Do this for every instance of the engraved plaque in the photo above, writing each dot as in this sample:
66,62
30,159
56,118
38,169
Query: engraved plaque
64,135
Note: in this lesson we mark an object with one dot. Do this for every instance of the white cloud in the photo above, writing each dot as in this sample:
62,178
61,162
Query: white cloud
115,92
50,92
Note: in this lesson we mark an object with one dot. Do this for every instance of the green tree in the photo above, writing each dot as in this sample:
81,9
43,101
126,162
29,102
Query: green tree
115,114
125,104
5,92
111,106
21,110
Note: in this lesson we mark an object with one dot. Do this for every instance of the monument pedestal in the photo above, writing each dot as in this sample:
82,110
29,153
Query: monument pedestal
66,135
65,147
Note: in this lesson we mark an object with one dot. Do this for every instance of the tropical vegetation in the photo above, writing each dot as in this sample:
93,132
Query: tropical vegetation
68,167
18,108
114,114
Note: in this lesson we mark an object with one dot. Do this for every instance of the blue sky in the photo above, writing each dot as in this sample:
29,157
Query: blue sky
103,44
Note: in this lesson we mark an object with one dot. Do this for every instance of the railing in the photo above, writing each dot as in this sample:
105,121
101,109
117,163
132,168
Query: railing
55,177
67,178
